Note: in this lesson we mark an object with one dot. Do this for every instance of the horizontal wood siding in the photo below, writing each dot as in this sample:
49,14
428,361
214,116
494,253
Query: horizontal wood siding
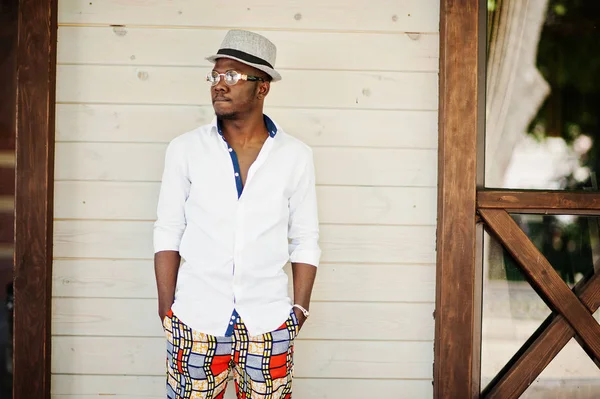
328,15
359,86
174,85
316,127
150,387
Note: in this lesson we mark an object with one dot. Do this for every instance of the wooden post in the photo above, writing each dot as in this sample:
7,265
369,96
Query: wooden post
457,314
36,79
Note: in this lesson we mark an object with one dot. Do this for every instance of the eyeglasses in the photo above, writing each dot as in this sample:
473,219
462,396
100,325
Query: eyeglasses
231,78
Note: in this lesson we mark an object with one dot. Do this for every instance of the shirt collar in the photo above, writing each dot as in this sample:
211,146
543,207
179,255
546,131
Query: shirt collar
271,126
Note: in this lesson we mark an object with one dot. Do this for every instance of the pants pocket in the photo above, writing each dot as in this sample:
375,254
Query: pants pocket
295,322
167,321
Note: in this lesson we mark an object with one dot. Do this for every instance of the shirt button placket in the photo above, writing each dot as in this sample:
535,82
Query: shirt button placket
238,242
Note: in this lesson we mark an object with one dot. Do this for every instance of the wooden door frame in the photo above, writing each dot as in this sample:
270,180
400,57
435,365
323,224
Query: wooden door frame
34,191
456,367
456,363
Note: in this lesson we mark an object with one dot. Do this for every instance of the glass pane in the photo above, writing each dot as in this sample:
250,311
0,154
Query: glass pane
570,243
543,94
512,310
571,374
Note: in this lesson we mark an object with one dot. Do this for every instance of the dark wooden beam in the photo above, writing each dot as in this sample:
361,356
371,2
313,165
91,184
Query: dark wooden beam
539,351
36,79
456,361
542,276
7,181
546,202
8,73
7,226
6,274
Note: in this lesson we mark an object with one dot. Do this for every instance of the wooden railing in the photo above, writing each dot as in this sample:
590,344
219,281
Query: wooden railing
572,309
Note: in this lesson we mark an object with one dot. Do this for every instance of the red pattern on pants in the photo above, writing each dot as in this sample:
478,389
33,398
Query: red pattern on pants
199,365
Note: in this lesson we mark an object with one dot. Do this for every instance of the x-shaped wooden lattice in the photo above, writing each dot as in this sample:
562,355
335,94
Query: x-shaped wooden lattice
572,316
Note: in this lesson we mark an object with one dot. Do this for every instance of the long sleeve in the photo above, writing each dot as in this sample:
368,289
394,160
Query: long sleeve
174,191
303,230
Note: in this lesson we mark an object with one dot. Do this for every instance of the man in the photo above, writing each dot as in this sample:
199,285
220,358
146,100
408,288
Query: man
237,202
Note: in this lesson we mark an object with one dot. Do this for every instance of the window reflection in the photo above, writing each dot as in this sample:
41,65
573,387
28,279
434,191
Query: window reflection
571,374
543,94
512,310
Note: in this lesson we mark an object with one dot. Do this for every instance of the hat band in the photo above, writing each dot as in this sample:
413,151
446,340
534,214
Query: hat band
244,56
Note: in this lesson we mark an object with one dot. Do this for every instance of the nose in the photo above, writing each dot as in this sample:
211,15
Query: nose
219,90
221,85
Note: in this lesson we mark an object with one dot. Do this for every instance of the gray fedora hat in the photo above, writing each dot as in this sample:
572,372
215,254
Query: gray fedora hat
251,49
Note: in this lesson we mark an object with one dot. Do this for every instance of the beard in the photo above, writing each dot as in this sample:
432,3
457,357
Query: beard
244,103
227,116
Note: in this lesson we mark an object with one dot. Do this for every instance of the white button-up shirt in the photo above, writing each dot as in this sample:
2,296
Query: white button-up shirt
233,243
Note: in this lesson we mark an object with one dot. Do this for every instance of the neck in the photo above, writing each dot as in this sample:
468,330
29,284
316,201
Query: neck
244,129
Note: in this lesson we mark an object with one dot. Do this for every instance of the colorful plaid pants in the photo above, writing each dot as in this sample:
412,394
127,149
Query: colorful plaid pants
200,365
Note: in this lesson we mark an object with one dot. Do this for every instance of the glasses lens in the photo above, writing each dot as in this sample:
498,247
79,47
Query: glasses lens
232,77
213,78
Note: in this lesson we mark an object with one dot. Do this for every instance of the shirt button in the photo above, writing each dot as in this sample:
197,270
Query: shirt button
231,323
231,150
232,317
237,174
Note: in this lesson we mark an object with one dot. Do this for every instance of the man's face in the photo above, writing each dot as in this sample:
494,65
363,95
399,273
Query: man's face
229,102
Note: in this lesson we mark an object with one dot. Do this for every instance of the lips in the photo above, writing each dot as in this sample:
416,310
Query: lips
220,99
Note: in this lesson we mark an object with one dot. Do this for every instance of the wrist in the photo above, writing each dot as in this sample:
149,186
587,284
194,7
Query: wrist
302,310
164,309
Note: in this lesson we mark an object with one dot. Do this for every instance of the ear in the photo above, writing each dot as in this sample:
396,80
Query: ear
263,89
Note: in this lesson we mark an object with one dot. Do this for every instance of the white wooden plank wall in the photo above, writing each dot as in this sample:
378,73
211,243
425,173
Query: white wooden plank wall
359,86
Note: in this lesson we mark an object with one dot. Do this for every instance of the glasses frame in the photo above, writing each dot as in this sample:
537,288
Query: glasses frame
241,76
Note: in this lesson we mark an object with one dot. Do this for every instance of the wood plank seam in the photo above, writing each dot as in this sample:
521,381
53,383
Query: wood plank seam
254,28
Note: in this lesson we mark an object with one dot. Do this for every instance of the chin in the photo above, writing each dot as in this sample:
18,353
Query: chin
226,115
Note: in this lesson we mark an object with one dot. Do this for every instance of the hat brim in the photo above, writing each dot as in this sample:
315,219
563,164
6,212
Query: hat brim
269,71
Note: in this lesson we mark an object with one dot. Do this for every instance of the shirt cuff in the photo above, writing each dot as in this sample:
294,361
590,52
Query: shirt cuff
166,242
308,256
